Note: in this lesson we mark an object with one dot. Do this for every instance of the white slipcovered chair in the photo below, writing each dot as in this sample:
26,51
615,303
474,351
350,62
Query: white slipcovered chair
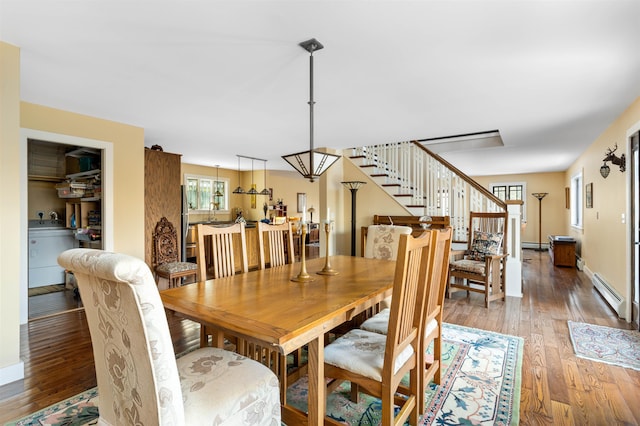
139,379
382,241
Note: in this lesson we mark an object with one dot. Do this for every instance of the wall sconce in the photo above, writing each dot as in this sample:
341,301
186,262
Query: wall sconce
610,156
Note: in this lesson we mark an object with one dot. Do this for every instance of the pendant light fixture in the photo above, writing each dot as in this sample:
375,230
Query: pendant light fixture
239,189
217,193
311,164
265,191
252,190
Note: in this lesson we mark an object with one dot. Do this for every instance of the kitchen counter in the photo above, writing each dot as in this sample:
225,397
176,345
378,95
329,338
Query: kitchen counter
249,224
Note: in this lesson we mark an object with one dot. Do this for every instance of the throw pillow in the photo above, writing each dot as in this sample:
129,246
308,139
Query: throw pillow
484,244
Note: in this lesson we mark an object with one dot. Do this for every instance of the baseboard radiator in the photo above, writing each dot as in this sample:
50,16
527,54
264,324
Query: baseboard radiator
610,294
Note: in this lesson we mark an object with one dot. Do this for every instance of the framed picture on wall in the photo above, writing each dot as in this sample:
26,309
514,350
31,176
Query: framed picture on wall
588,195
302,201
567,198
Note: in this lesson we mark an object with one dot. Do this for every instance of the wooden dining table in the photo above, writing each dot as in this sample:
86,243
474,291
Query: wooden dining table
267,307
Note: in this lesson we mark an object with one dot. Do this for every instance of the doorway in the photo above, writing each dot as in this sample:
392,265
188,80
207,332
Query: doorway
635,227
78,215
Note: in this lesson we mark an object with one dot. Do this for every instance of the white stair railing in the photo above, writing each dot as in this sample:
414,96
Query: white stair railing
424,183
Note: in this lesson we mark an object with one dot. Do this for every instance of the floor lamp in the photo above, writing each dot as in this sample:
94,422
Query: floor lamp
540,196
353,187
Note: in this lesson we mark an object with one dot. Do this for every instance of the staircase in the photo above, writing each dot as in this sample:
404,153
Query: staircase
424,183
427,185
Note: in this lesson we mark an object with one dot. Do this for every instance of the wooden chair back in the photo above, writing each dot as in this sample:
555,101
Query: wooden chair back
488,222
279,244
434,306
413,265
215,247
165,243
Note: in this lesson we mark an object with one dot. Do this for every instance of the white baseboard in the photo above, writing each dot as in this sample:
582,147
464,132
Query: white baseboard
12,373
525,245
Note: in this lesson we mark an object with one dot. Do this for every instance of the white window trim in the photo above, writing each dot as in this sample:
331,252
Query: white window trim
524,194
576,195
214,179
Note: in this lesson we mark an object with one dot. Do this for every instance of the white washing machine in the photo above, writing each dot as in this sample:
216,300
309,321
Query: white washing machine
45,244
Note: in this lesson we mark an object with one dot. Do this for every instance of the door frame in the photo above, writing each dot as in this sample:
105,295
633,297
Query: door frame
633,290
107,199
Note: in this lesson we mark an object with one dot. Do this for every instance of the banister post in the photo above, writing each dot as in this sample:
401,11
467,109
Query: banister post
513,239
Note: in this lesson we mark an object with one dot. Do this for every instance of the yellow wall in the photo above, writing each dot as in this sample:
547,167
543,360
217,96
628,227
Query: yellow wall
554,211
370,200
285,184
604,238
128,188
10,364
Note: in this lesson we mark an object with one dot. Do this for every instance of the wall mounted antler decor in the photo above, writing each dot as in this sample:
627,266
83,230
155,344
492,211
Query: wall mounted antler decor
610,156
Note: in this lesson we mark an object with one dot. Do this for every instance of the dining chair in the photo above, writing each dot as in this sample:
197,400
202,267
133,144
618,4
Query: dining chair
166,256
481,268
278,245
432,317
140,381
377,363
216,252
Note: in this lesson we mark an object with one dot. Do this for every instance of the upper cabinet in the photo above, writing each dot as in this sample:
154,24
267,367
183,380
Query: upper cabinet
46,161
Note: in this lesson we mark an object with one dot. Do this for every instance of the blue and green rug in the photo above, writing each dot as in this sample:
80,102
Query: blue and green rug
481,382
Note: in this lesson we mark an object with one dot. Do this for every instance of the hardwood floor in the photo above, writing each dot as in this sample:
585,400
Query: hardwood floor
557,387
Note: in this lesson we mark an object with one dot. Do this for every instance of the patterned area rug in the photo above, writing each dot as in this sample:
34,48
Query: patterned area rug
480,385
605,344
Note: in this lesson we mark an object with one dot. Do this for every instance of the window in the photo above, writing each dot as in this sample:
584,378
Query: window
201,193
576,200
511,191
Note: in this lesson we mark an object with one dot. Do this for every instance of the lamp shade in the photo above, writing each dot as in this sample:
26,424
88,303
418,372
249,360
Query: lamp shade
311,164
604,170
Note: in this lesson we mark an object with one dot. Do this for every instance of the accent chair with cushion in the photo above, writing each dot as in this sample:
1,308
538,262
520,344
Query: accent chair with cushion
166,256
139,379
377,363
481,268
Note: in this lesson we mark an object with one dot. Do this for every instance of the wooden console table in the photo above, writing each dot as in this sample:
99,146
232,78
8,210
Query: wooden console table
562,250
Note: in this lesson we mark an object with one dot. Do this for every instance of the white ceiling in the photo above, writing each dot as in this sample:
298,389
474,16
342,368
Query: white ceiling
212,79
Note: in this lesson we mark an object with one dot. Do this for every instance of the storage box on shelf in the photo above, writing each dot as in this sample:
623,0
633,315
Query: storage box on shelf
84,191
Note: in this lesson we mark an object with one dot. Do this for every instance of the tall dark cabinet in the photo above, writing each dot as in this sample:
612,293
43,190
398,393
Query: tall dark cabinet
162,195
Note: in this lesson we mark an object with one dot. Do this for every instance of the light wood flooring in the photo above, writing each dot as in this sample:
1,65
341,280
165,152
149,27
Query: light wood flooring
557,387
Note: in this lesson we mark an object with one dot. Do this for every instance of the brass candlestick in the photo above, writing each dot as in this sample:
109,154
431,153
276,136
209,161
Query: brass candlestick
303,276
327,270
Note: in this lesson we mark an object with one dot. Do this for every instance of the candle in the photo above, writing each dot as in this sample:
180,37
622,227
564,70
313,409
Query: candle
328,215
304,211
